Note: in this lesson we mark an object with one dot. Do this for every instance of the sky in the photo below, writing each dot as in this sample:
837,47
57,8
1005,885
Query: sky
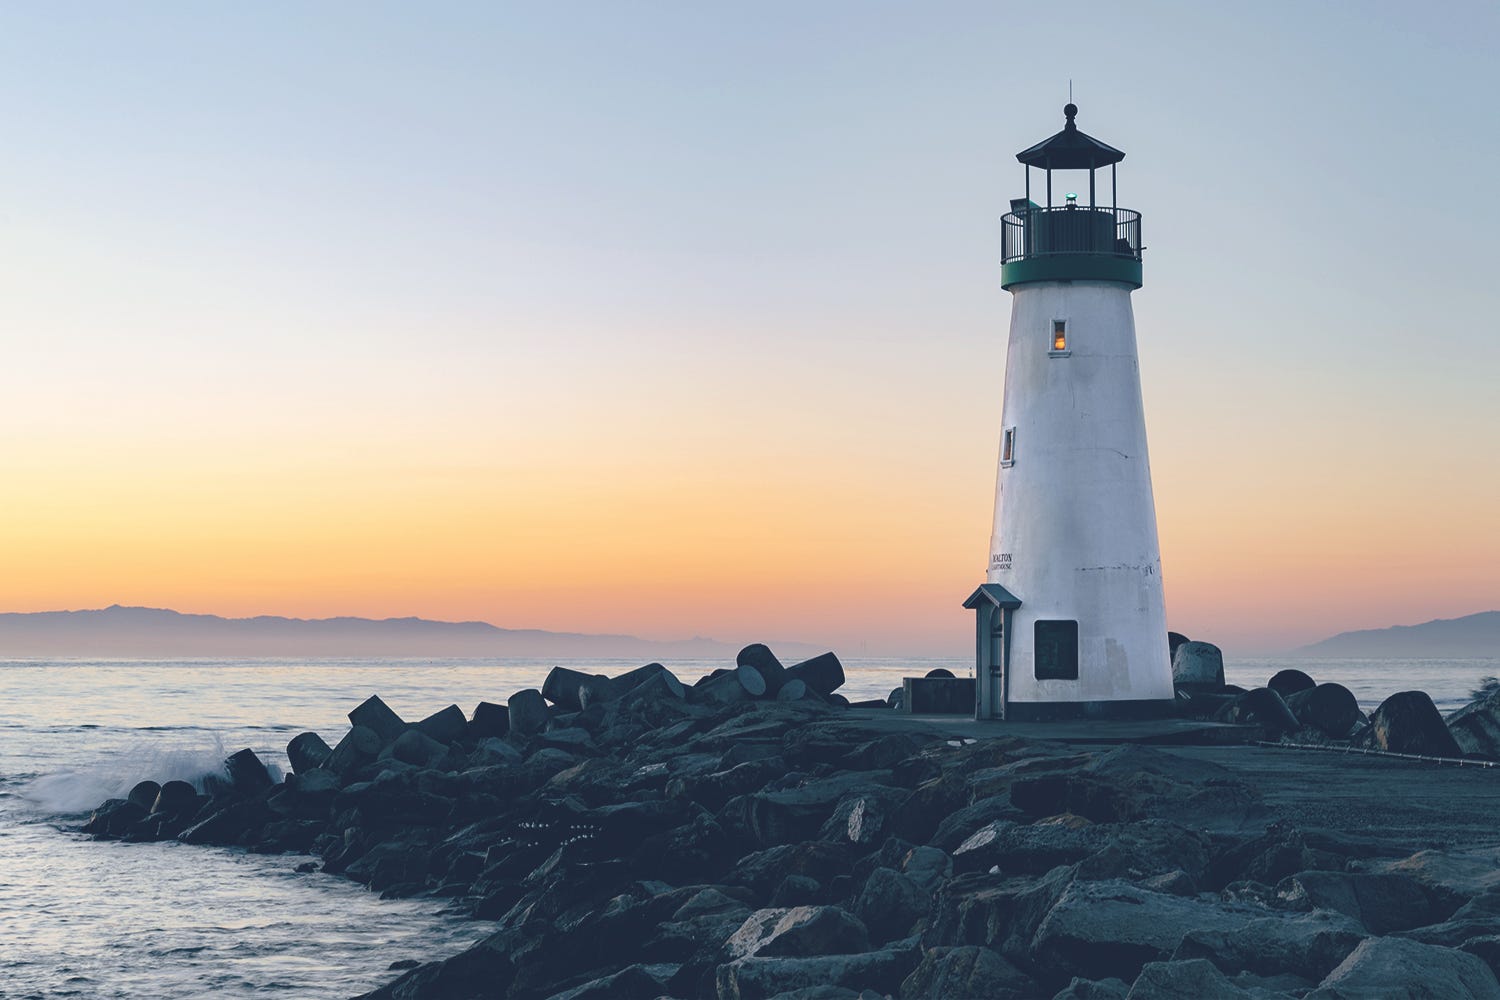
684,319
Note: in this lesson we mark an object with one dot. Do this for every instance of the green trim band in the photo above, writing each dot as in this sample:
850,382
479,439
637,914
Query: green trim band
1071,267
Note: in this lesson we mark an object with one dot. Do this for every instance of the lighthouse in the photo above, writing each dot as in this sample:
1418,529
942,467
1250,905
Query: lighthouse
1071,620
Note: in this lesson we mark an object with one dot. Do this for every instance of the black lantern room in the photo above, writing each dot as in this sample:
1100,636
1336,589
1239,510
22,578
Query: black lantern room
1072,241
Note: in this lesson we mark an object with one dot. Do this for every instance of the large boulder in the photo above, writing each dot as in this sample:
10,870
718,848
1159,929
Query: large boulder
1198,665
1309,945
1027,848
1090,989
1112,928
1476,727
634,982
1000,911
1479,917
966,971
890,903
1408,722
1382,903
1329,708
787,815
1196,978
759,978
1453,875
1396,969
764,870
798,931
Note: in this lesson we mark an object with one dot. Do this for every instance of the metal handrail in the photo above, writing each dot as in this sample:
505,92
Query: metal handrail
1372,752
1071,229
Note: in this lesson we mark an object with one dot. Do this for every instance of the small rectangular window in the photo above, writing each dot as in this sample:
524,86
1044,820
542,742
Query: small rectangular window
1008,447
1056,650
1058,347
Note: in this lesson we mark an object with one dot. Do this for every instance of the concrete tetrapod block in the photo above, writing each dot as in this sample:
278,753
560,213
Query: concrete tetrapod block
307,751
489,720
661,684
416,747
1331,708
751,680
1262,707
562,687
247,775
823,673
722,688
359,746
632,679
144,794
174,796
377,717
1174,639
594,689
446,726
1289,681
759,656
1408,722
1199,664
528,712
1476,727
793,690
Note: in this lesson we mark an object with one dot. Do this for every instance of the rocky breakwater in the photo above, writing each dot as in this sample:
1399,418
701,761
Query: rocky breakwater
748,837
1294,708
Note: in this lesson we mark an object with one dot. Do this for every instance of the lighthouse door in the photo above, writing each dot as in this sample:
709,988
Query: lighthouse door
996,660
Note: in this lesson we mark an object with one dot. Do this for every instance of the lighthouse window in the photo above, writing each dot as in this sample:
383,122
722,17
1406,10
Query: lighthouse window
1056,650
1008,447
1059,339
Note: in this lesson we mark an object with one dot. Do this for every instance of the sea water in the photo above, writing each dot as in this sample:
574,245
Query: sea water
80,918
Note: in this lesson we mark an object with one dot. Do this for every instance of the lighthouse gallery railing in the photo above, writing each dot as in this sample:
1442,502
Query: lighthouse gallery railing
1033,232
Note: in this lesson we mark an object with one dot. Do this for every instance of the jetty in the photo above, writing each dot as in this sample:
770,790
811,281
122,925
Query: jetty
752,835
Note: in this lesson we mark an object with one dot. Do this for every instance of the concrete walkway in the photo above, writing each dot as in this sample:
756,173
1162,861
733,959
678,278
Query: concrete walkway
1082,731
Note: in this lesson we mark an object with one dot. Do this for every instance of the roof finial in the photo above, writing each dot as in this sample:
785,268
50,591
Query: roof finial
1070,111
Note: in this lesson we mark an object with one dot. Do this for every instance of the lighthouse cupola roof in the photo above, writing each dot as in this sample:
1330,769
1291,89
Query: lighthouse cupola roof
1070,149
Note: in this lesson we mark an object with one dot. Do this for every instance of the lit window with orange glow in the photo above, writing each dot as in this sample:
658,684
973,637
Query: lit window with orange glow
1059,335
1008,447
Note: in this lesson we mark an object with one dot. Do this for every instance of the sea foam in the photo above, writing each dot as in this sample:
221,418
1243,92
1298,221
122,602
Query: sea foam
71,791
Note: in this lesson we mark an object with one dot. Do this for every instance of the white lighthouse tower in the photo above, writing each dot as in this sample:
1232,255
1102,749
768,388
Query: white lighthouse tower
1071,620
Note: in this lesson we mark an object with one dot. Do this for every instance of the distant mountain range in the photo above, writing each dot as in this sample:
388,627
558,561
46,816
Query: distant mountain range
1473,636
120,632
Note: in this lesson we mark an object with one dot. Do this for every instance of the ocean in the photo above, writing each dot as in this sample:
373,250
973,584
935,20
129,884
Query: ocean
85,919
